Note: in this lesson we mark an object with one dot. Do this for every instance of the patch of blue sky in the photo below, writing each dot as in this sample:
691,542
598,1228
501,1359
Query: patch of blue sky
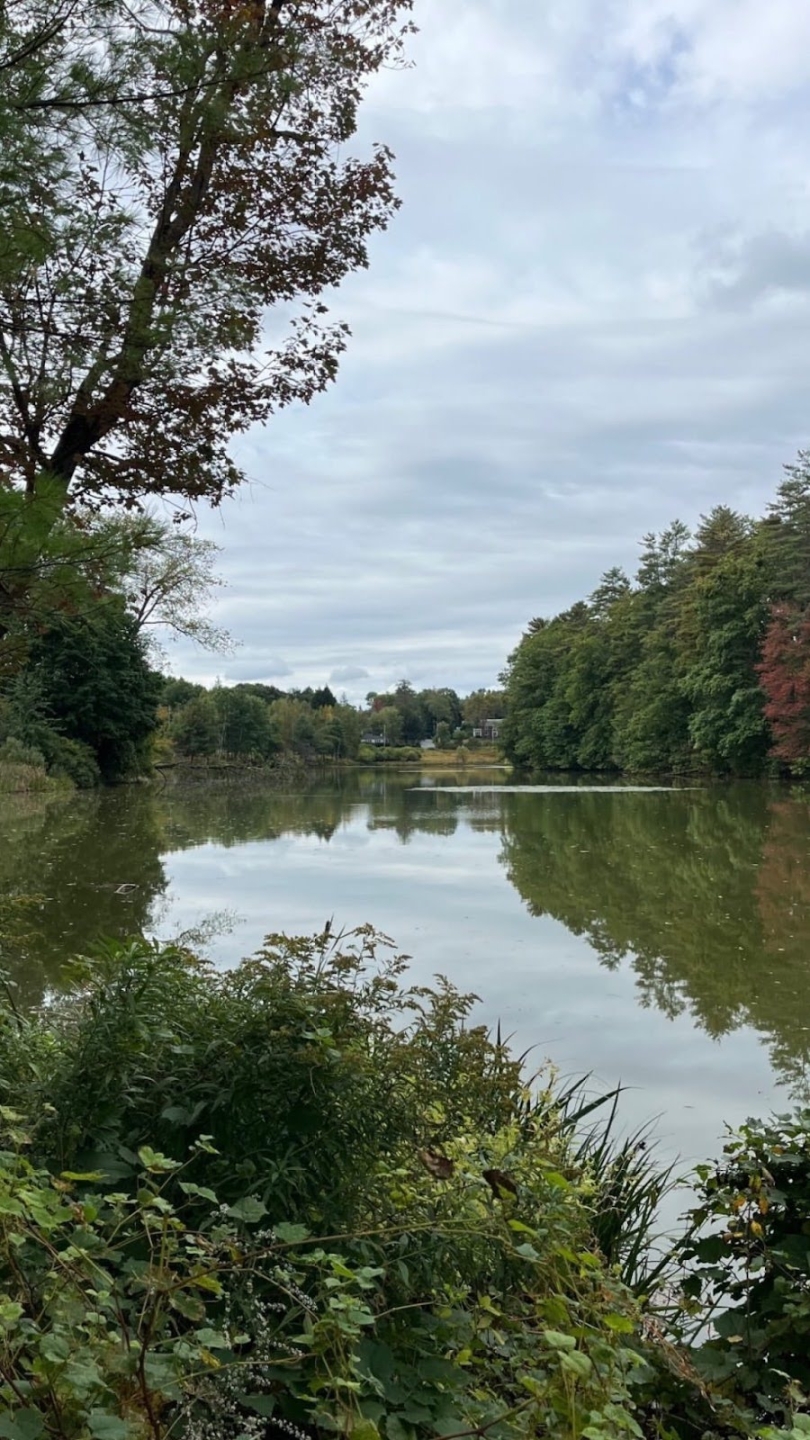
643,86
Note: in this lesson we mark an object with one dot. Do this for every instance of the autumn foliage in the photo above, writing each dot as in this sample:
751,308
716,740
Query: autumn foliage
176,173
785,678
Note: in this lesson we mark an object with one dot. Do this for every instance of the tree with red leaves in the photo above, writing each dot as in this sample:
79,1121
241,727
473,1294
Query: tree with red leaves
784,673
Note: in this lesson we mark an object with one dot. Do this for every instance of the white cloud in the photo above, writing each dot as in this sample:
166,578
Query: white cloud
593,313
345,674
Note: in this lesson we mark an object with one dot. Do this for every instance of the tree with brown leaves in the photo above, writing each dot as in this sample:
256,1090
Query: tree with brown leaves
173,173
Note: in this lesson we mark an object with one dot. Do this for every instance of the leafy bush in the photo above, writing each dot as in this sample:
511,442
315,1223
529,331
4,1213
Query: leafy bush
425,1263
72,758
45,748
748,1256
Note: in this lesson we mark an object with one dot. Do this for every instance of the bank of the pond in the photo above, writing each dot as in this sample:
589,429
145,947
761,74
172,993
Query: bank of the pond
301,1198
408,757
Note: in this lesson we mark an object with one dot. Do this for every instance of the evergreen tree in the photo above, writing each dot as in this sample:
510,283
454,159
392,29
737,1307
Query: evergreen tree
727,726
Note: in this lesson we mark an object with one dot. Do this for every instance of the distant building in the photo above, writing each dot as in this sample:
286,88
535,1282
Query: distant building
428,744
372,738
487,730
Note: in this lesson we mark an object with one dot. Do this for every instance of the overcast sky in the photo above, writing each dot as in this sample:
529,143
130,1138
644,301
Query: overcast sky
591,315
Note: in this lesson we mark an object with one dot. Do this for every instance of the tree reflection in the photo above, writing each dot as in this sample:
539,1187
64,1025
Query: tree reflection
70,871
705,894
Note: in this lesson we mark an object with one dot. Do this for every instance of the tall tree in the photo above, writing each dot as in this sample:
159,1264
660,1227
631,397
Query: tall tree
727,725
787,534
175,170
785,677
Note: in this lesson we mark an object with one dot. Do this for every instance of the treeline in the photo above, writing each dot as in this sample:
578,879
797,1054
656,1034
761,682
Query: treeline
254,722
404,716
257,722
701,663
83,699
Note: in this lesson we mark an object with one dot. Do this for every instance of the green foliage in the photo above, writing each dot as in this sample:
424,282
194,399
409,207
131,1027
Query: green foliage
109,1302
74,759
667,675
747,1257
389,754
244,724
23,768
387,722
305,1193
97,688
376,1230
196,730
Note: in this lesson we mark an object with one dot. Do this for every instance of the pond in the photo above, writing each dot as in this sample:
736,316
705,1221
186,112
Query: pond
657,937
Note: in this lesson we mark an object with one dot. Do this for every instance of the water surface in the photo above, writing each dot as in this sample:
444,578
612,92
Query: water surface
653,936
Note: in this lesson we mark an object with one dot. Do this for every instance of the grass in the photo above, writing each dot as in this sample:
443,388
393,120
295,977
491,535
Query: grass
486,755
26,780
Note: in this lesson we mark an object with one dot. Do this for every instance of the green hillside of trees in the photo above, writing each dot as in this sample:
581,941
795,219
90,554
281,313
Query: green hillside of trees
700,663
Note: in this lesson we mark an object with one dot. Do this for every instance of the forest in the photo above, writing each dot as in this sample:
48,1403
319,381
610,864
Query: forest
701,663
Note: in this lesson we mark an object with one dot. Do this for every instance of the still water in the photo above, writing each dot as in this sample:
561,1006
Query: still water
657,937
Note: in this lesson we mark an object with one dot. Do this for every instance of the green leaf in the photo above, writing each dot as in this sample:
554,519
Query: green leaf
54,1348
206,1282
558,1181
291,1234
25,1425
107,1427
621,1324
10,1312
249,1210
203,1142
84,1377
364,1429
201,1190
576,1364
189,1305
154,1162
175,1114
395,1430
211,1339
261,1404
558,1341
526,1251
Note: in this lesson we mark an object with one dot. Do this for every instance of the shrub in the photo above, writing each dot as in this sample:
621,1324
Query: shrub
63,758
748,1259
71,758
424,1262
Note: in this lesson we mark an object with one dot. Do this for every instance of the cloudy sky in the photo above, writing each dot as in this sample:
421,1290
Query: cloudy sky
591,315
